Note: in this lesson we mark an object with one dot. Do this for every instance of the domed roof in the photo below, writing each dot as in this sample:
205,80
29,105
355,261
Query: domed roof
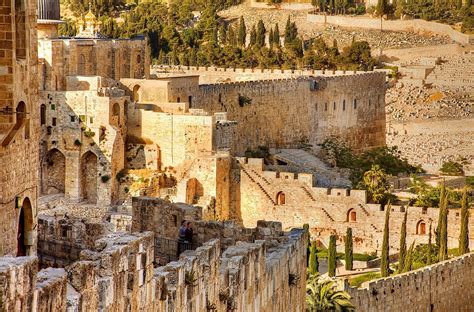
90,16
49,10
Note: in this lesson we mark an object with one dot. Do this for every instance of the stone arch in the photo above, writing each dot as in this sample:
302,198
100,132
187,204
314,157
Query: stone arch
43,114
139,58
81,65
25,229
351,215
136,93
116,112
88,177
281,198
53,173
421,227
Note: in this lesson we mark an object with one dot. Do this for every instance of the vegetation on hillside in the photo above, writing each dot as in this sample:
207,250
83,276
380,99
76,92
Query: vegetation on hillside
323,295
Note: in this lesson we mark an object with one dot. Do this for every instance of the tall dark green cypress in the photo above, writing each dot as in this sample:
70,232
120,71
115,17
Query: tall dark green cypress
253,36
409,258
270,37
403,242
428,262
332,256
440,214
276,36
349,250
242,32
443,229
385,263
261,33
313,266
464,234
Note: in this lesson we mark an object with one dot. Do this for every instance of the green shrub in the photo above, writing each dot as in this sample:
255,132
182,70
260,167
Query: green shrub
77,142
105,178
359,279
452,168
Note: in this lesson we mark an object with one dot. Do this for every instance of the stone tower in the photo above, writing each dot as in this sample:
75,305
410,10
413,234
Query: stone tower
19,127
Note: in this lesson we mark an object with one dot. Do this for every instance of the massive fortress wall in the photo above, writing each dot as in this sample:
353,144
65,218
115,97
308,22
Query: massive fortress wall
285,112
332,210
445,286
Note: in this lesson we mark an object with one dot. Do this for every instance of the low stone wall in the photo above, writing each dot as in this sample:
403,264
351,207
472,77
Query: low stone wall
445,286
416,25
17,283
51,287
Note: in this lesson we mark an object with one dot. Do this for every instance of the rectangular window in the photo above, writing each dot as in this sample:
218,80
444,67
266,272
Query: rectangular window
53,122
91,119
316,106
325,106
344,105
355,104
334,106
53,106
73,118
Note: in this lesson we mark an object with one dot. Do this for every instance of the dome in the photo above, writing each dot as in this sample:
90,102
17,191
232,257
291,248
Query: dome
90,16
49,10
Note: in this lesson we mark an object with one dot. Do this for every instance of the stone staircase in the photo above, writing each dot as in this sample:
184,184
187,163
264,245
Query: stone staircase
259,185
327,214
260,176
364,210
308,193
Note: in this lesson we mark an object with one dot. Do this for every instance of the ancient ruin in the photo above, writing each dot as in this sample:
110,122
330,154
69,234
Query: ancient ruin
103,156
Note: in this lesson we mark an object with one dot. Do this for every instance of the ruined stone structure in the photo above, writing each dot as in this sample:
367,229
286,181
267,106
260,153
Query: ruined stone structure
293,200
19,127
444,286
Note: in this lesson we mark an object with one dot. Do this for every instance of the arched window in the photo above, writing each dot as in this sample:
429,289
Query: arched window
136,94
43,114
116,109
25,228
421,228
280,199
81,65
21,119
351,216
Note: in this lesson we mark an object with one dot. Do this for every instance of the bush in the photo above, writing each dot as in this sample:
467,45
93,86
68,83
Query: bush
359,279
105,178
89,133
420,254
244,100
452,168
77,142
260,152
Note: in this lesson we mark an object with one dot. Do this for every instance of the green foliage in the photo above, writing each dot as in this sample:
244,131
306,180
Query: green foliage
89,133
190,278
105,178
68,28
425,254
375,181
244,100
430,246
403,243
261,33
470,181
313,265
242,32
452,168
464,232
385,263
357,280
348,249
77,142
323,295
332,256
443,226
408,263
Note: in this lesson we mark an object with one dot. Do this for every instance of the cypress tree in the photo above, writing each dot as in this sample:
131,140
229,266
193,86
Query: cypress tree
464,235
222,34
443,229
440,214
253,36
349,250
261,31
276,36
242,32
403,243
428,262
313,259
332,256
270,37
385,264
409,259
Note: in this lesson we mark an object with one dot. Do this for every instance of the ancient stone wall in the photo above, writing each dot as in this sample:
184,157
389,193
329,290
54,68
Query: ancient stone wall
109,58
50,291
19,129
83,140
293,200
445,286
288,112
18,276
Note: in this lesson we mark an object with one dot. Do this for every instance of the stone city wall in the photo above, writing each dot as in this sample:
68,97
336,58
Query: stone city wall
51,289
288,112
19,128
445,286
416,25
331,210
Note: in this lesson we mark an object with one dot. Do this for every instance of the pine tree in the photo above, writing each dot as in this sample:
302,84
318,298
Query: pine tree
349,250
403,243
276,36
428,262
253,36
464,234
409,259
332,256
313,265
261,32
385,263
242,32
443,229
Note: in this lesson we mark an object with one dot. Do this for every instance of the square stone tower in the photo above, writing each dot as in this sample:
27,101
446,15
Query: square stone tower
19,127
